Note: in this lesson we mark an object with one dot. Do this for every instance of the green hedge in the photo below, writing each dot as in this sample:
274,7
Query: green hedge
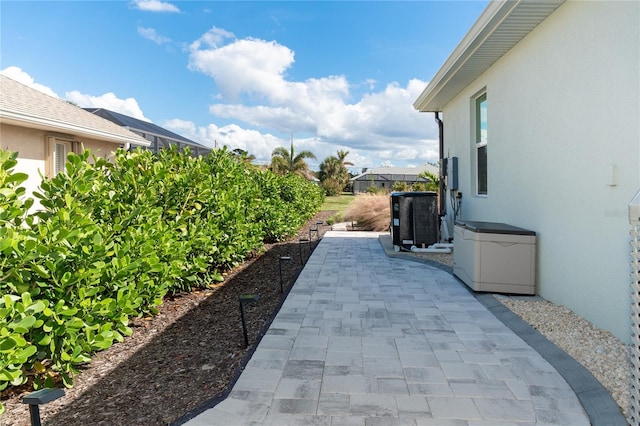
113,238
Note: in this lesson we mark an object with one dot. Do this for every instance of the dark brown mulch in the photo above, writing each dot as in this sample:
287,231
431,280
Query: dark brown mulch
185,357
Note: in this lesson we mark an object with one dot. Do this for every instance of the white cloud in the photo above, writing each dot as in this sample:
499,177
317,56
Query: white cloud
251,76
110,101
233,136
151,34
20,76
212,38
261,145
249,66
154,6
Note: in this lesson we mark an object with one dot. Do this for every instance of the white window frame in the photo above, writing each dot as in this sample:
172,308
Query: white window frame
57,150
480,141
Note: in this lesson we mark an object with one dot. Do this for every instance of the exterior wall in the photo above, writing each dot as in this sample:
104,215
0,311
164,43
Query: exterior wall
99,148
563,152
29,143
31,147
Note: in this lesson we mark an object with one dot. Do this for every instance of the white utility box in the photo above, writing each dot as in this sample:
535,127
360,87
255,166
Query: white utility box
495,257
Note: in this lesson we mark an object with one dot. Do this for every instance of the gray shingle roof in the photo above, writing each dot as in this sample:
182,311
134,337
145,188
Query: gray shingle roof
24,106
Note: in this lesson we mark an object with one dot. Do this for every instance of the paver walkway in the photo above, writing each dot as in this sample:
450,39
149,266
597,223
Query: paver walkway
363,339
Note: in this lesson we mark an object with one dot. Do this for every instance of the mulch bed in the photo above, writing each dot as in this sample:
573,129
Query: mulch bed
180,360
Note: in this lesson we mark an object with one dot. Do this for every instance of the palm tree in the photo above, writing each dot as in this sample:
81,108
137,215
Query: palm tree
342,155
284,161
433,183
335,167
330,168
333,172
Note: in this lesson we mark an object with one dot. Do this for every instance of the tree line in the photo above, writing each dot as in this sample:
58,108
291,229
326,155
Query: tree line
333,174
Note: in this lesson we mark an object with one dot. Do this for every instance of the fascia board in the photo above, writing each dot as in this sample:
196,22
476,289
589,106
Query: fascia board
486,24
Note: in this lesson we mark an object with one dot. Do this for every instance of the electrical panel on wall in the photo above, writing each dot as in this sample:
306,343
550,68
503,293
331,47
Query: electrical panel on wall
451,172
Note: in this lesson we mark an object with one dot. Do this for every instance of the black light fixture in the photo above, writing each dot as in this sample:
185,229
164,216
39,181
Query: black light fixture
38,398
314,229
280,259
244,299
300,242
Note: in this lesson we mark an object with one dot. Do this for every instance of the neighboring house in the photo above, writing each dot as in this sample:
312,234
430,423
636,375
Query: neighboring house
384,177
540,105
157,136
43,129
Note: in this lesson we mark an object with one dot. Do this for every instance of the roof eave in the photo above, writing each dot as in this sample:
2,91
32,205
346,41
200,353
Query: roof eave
183,140
449,81
27,120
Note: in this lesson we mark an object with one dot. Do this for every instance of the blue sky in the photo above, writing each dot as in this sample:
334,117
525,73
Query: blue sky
332,75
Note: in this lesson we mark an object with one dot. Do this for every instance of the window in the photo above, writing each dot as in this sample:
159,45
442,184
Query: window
481,144
57,154
59,157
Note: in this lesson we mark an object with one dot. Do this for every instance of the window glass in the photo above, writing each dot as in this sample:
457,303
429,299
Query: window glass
59,157
56,155
481,144
481,119
482,170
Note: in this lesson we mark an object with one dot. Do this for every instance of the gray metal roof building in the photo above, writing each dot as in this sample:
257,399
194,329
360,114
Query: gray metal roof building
158,137
385,177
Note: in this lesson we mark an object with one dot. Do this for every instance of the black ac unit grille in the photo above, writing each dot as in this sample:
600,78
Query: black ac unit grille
414,218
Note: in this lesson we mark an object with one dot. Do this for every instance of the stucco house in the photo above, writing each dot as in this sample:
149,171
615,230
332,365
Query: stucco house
540,105
43,129
384,177
157,136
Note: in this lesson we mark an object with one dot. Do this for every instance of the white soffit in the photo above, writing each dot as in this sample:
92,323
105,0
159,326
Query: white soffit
500,27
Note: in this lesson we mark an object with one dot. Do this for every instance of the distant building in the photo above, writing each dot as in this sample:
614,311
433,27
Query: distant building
157,136
384,177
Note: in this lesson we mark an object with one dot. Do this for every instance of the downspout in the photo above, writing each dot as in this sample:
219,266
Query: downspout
442,193
438,247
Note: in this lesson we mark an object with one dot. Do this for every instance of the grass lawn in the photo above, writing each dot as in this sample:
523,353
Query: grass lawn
337,203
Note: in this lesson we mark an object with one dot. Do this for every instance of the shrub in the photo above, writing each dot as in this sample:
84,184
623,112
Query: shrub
331,187
370,211
115,238
284,203
401,186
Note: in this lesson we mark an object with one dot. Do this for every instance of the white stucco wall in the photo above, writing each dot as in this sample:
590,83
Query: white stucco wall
563,117
29,143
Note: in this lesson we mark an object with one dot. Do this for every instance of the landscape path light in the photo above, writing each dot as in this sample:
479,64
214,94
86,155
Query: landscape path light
244,299
314,229
38,398
280,259
300,242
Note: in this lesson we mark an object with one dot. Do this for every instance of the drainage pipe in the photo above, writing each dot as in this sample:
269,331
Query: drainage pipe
431,249
441,188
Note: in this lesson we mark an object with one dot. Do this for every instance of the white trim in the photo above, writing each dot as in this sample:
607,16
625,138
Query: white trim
500,27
